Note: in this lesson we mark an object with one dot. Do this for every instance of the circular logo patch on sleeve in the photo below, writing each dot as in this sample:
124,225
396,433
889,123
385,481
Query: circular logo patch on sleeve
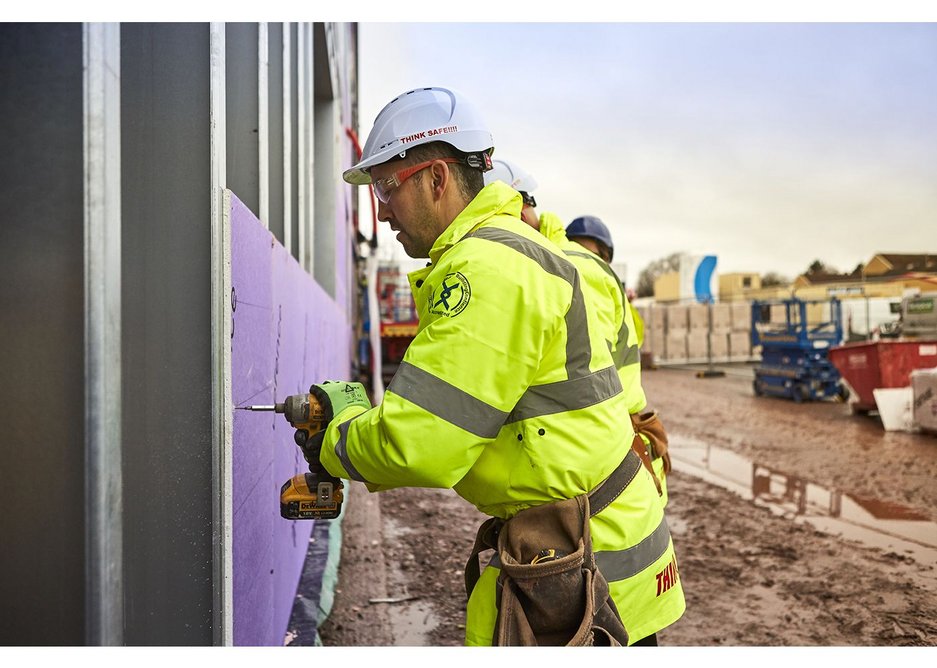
452,296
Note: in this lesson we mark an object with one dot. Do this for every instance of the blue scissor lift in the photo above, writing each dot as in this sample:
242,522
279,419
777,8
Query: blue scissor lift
794,354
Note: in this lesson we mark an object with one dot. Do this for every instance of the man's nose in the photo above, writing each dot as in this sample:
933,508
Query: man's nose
383,211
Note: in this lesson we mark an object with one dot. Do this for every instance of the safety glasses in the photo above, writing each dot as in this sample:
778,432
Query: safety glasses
384,187
528,199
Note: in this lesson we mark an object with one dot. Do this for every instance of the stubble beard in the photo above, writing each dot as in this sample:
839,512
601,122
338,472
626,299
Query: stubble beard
420,232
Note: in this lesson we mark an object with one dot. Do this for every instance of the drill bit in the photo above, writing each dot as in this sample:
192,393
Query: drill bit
267,407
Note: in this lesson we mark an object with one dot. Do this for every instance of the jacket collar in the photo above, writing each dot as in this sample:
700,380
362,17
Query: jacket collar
495,198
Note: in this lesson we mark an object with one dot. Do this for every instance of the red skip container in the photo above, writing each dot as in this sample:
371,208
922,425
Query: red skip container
871,365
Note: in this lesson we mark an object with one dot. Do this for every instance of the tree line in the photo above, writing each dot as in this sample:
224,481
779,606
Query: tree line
665,265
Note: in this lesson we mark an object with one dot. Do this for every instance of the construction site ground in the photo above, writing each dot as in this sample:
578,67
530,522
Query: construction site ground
794,524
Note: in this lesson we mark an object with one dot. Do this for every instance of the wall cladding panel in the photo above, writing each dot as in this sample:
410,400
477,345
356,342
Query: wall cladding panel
166,330
288,333
42,335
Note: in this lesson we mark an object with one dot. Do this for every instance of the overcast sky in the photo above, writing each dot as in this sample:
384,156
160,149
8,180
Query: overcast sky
766,144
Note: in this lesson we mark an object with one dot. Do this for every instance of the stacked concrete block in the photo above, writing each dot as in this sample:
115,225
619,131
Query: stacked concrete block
697,344
720,326
741,316
676,342
698,315
719,344
740,346
677,317
721,317
677,323
653,317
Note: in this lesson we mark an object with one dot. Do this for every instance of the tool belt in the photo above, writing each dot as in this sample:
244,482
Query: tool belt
549,590
650,426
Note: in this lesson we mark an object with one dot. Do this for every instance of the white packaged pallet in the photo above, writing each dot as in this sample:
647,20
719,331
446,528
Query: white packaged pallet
740,345
719,345
698,316
697,345
721,316
678,317
676,346
924,399
741,316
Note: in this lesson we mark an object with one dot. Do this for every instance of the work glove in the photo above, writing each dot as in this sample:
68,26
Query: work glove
334,397
650,426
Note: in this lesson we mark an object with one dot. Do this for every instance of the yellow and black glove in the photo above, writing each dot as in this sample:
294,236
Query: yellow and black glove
333,397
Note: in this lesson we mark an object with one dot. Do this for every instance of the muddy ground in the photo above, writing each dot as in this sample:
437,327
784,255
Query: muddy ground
754,573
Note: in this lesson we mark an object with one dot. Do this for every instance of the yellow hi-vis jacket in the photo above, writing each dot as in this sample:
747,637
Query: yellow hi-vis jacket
640,400
508,395
603,292
617,319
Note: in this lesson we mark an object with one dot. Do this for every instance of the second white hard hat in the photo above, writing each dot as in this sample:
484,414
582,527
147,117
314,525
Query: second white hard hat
510,173
417,117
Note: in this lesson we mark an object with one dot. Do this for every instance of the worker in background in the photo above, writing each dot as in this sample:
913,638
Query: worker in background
604,294
507,394
592,234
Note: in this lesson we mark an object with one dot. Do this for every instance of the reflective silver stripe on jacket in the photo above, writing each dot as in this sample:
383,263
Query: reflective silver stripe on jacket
341,451
623,564
446,401
566,395
582,388
578,347
623,355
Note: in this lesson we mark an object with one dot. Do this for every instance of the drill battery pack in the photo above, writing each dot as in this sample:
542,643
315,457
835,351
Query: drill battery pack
304,497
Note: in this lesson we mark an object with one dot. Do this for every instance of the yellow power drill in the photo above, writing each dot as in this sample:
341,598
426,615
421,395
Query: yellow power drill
316,495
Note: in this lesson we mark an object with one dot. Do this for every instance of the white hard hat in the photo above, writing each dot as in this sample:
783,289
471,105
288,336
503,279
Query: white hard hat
417,117
510,173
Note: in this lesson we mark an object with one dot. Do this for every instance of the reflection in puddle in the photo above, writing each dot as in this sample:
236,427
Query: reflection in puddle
410,621
884,525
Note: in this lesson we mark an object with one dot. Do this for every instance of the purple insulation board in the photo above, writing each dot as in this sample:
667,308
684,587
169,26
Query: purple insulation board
287,334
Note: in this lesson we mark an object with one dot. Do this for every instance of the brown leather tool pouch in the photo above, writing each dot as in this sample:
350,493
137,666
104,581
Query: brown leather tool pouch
549,589
649,425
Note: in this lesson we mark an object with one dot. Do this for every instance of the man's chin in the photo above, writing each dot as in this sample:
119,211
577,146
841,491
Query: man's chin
416,255
409,248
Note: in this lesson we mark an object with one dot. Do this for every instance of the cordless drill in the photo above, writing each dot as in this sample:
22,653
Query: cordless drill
316,495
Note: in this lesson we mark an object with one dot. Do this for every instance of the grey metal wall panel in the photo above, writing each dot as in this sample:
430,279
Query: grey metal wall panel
42,574
294,135
275,115
243,171
326,179
167,389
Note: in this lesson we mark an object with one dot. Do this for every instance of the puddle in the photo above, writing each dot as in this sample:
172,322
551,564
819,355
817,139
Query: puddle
410,621
888,526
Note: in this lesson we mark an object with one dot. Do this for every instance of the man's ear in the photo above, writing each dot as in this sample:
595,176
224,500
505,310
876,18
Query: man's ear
440,176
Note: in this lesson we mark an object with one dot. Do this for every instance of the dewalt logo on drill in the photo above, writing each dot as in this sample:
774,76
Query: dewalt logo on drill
451,297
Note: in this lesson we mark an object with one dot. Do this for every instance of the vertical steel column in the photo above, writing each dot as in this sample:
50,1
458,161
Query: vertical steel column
103,492
308,259
222,405
287,141
263,126
102,221
302,102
